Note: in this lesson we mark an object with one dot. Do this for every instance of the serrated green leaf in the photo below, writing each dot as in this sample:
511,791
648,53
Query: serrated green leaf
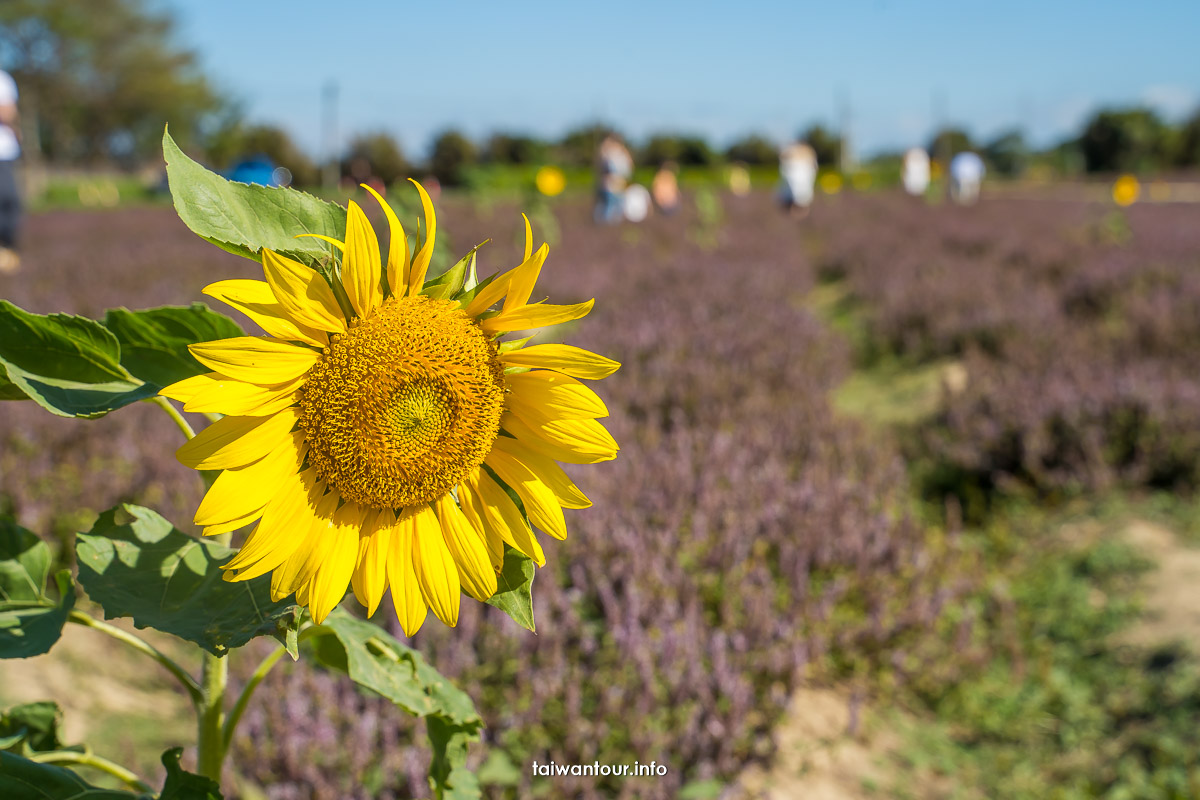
449,777
377,661
30,727
71,366
243,218
136,564
514,588
183,785
8,389
31,621
154,340
22,779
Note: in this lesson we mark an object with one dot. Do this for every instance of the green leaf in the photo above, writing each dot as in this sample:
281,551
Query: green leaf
30,727
22,779
154,340
8,389
71,366
30,620
183,785
450,282
243,218
514,588
379,662
136,564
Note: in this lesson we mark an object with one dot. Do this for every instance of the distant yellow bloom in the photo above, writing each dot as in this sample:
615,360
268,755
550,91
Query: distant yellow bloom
551,181
1126,190
381,435
830,182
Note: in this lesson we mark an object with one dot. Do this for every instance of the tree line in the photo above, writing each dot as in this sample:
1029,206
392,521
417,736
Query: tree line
99,79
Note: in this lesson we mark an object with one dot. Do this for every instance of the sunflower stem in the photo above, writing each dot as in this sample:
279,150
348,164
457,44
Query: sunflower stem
142,646
174,414
235,716
89,759
210,749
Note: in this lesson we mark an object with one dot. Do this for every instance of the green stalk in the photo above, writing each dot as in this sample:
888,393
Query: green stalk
210,717
142,646
94,761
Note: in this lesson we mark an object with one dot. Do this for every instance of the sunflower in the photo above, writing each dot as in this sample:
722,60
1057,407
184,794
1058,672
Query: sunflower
381,434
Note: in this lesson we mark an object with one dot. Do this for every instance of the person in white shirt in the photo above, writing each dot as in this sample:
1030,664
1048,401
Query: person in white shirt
10,150
966,173
798,173
916,171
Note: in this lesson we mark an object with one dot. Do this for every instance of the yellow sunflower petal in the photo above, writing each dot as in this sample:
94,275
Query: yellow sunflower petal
528,237
315,525
254,359
303,293
466,546
232,524
541,315
502,513
238,492
543,395
256,300
329,239
434,566
420,265
238,398
188,388
361,269
282,530
539,501
332,576
397,263
472,508
489,295
402,577
233,442
524,277
573,441
370,573
547,471
564,358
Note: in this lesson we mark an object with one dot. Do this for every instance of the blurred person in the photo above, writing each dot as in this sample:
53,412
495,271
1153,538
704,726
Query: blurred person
614,167
798,173
10,150
915,171
636,203
665,188
966,173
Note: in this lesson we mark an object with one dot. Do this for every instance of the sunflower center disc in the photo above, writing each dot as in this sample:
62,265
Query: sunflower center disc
404,405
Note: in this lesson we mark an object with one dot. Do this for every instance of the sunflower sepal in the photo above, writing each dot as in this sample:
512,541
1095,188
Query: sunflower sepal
449,285
514,588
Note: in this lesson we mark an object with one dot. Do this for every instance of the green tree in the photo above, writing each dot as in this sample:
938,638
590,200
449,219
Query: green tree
382,152
826,143
1124,140
1007,153
683,149
949,142
578,147
1187,148
451,155
509,148
98,79
753,149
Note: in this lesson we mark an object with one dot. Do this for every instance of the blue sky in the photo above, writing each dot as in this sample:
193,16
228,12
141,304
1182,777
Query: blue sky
772,67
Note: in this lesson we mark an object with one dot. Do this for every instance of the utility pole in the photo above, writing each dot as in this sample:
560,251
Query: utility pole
329,99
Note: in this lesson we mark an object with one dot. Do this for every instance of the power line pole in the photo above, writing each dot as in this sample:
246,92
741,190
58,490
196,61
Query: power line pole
329,99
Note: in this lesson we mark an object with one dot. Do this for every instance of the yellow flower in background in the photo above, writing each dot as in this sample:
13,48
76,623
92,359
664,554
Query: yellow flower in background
1126,190
551,181
379,432
830,182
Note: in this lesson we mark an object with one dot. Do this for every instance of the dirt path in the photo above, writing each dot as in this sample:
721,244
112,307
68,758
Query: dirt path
1172,590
